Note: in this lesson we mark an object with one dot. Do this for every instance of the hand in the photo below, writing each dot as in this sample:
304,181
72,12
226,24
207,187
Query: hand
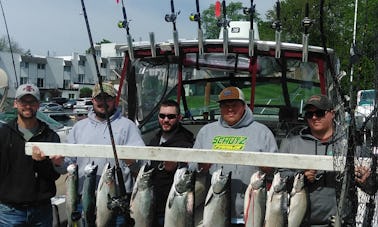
37,154
361,173
57,160
310,175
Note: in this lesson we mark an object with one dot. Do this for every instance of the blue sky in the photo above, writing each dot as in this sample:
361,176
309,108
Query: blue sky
58,27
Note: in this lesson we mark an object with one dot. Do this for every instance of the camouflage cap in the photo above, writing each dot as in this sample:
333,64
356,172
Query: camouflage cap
108,89
319,101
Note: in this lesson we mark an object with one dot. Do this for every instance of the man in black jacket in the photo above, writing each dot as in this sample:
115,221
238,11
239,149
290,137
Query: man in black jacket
26,183
171,134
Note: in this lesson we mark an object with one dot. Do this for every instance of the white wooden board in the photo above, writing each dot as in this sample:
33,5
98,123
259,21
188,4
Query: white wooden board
277,160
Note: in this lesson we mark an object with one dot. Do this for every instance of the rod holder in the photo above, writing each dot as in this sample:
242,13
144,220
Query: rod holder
251,46
152,44
175,43
200,42
130,47
225,41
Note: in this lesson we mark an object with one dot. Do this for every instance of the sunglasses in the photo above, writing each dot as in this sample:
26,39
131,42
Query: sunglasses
169,116
318,114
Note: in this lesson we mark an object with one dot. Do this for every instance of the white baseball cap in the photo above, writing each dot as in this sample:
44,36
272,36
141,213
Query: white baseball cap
27,89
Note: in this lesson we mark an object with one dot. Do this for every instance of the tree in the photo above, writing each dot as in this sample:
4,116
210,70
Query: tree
209,21
4,45
85,92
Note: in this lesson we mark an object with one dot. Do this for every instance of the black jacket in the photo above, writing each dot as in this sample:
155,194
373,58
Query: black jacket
23,180
162,180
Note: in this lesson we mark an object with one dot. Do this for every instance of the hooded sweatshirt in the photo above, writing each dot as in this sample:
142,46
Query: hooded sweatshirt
322,191
92,131
246,135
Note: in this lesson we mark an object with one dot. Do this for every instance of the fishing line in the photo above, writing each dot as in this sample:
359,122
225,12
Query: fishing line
9,41
118,204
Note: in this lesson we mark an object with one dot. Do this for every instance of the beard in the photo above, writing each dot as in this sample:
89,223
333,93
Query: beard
103,115
24,117
172,128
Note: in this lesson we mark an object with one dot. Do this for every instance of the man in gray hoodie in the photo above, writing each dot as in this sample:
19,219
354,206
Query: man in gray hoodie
236,130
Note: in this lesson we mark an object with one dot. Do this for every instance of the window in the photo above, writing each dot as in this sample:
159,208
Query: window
67,68
24,64
66,84
82,62
23,80
81,78
103,65
41,66
40,82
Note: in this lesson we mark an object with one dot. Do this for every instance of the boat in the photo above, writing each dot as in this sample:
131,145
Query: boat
276,78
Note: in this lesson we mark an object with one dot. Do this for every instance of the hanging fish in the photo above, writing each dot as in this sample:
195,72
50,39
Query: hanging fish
106,189
180,203
88,198
72,197
217,211
298,201
276,204
255,201
142,199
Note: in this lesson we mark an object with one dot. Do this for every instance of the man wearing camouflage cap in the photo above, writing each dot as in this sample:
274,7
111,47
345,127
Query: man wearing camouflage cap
94,130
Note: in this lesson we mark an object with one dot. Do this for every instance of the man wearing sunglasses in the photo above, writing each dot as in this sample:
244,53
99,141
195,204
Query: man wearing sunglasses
318,139
171,134
235,130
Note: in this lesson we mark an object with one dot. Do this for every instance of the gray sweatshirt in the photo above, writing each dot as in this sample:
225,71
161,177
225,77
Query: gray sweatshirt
246,135
92,131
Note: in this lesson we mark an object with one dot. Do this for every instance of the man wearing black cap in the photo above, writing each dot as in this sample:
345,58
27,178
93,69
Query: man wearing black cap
26,183
318,139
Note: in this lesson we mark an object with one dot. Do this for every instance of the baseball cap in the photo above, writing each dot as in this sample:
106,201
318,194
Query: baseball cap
319,101
27,89
108,89
231,93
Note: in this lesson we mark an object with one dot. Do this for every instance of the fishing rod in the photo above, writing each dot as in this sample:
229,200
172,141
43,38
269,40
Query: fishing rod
251,12
278,27
197,17
306,24
9,42
125,24
172,18
118,204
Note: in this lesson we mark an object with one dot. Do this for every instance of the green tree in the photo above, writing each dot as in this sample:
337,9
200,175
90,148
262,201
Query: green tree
234,12
85,92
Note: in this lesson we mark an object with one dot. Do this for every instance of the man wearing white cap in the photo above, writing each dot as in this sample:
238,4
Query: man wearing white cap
236,130
27,183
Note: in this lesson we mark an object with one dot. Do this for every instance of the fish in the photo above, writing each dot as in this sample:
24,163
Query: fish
88,198
142,198
255,200
217,210
298,201
106,188
180,203
276,204
72,196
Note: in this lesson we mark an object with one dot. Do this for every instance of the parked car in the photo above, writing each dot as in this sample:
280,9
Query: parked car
50,106
83,104
69,104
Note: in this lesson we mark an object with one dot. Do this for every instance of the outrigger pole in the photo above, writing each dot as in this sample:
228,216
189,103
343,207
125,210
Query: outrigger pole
118,204
172,18
277,26
197,17
306,23
251,12
125,24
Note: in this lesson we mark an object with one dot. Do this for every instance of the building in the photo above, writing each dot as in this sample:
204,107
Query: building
62,76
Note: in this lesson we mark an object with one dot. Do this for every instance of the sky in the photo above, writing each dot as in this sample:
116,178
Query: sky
57,27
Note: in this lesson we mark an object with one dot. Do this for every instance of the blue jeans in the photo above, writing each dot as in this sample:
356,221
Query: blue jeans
28,216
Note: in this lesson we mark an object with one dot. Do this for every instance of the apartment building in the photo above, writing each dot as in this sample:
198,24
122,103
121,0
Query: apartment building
62,76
